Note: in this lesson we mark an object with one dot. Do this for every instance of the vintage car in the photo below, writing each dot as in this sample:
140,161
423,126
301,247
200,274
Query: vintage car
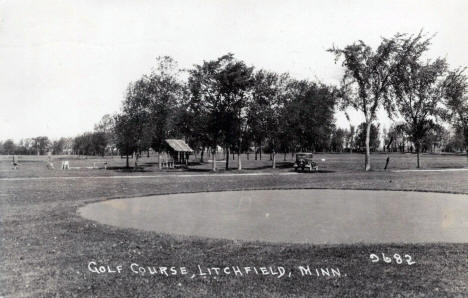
304,161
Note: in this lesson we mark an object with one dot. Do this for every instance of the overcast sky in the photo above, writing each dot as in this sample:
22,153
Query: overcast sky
64,64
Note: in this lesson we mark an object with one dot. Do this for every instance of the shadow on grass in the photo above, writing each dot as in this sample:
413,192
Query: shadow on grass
316,172
192,170
279,165
129,169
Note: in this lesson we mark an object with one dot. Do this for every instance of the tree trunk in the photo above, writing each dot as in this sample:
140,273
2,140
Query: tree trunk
159,160
128,165
260,151
465,134
284,158
418,149
387,161
201,154
239,161
367,158
227,158
273,157
466,149
213,159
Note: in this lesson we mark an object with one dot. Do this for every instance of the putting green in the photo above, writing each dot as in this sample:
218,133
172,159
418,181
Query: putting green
316,216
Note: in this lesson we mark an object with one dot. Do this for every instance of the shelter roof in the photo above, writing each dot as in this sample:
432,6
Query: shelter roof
178,145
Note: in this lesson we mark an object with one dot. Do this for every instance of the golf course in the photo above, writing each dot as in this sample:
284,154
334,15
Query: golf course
340,231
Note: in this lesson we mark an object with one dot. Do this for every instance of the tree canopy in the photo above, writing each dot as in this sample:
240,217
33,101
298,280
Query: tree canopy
456,100
369,75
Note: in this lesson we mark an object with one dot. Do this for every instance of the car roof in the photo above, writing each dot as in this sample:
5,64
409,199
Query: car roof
302,153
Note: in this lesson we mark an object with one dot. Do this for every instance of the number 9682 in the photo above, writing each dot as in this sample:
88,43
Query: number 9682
397,258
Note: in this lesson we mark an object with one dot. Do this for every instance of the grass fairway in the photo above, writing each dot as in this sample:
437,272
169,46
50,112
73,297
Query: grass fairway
46,246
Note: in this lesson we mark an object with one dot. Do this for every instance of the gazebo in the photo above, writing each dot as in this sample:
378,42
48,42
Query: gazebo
178,150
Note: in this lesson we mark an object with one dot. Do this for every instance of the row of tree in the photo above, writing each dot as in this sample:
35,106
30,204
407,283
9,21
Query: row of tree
90,143
102,141
225,103
397,77
33,146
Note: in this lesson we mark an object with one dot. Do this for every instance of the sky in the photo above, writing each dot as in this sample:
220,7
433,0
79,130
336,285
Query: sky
65,64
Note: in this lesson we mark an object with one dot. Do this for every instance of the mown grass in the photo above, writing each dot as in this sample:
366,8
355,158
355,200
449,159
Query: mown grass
36,166
46,246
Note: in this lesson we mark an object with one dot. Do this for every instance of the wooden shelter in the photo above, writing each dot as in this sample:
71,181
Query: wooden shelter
178,150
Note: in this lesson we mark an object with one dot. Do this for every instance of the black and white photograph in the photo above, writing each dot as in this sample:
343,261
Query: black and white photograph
221,148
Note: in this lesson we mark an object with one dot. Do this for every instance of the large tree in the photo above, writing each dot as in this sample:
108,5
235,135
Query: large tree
234,82
418,91
150,107
58,146
193,116
206,106
368,76
219,92
309,115
125,136
456,100
267,109
138,115
40,144
9,146
164,94
435,138
256,113
106,126
455,141
338,140
90,143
